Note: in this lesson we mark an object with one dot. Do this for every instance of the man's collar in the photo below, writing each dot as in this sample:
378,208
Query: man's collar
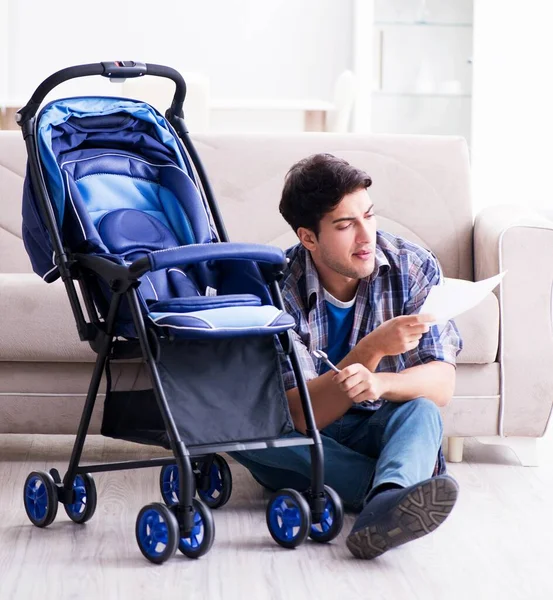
313,284
311,276
381,263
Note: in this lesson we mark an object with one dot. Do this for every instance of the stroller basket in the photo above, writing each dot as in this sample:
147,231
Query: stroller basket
230,408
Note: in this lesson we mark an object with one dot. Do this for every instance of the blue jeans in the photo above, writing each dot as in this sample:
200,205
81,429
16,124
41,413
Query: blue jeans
398,443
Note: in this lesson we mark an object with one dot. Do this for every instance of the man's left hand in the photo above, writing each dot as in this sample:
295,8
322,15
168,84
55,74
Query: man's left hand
359,384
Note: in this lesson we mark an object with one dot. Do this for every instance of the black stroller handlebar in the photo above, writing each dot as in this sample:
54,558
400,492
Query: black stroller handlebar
114,70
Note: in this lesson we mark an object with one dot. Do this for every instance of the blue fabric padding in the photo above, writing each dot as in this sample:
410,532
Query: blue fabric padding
190,203
241,276
184,305
111,161
36,238
225,322
222,250
105,193
130,230
230,317
79,232
132,234
61,111
106,181
155,286
183,283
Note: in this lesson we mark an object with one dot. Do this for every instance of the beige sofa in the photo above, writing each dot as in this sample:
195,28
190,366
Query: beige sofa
421,190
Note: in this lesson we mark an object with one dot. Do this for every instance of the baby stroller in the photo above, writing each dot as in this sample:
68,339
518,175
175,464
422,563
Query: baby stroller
116,199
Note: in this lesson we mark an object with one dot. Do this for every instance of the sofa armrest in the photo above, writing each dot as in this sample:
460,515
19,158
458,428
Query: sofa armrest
517,240
36,322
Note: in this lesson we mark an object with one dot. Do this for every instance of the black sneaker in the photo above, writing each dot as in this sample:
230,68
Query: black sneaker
396,516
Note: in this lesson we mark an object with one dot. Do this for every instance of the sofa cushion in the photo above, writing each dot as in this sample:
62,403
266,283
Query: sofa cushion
37,324
13,258
479,329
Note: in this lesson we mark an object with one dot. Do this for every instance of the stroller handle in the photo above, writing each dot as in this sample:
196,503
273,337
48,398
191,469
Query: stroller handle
114,70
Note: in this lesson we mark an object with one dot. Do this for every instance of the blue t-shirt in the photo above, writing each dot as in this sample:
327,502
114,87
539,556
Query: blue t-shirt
340,323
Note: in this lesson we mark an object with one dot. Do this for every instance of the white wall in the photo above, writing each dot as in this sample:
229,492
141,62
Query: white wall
363,63
512,113
4,7
248,48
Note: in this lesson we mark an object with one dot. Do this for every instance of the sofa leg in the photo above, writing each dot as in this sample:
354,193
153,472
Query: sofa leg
525,448
455,449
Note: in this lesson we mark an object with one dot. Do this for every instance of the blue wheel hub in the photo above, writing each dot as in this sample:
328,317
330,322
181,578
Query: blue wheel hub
170,488
152,533
36,498
81,496
326,521
194,541
285,518
215,484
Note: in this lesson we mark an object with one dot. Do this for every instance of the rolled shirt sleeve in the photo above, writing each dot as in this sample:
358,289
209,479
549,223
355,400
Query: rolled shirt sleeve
306,364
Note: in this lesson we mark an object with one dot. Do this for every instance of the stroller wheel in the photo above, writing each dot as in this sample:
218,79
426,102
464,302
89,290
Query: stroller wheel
40,498
84,506
220,484
169,484
332,520
157,532
288,518
201,537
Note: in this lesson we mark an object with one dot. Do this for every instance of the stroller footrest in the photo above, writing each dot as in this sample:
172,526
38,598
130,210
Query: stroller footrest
234,321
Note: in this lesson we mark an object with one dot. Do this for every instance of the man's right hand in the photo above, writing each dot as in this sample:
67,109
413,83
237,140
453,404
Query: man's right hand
398,335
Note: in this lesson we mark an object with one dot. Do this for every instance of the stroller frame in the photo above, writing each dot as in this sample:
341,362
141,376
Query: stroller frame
123,281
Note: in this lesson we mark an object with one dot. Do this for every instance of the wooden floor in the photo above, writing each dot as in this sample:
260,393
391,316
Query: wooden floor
497,544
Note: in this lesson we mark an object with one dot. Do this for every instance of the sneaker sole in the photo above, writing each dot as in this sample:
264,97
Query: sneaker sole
418,514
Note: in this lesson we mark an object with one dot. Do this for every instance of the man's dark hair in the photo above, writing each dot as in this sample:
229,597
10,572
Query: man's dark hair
314,186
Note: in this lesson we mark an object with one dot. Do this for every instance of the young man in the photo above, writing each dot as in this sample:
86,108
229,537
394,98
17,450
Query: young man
355,294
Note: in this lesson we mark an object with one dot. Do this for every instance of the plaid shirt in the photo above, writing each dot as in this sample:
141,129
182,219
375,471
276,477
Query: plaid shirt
399,284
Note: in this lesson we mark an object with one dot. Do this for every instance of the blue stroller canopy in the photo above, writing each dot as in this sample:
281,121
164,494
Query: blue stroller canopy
73,130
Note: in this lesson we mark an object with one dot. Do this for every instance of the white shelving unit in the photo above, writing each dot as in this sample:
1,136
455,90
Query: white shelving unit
414,58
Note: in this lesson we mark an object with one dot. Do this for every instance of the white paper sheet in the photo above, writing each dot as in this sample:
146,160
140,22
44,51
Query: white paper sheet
456,296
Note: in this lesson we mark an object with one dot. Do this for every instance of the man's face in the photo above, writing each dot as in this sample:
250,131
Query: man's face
347,237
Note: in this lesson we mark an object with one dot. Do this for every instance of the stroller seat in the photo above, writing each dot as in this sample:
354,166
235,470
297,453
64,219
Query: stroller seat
174,297
129,206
